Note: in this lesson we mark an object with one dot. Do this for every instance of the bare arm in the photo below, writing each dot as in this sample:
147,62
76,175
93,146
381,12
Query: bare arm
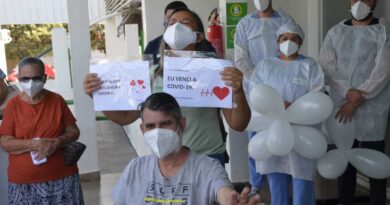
45,147
238,117
49,146
122,117
70,134
17,146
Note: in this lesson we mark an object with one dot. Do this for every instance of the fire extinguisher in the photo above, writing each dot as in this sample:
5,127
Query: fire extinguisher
214,33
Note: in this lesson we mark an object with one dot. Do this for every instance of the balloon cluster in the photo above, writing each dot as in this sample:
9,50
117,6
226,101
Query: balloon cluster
279,131
370,162
273,123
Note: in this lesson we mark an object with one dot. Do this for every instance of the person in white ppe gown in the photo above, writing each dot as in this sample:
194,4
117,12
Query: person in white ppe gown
292,75
355,56
254,41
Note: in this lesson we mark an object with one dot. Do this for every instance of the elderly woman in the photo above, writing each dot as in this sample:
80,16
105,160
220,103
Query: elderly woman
292,75
185,32
36,124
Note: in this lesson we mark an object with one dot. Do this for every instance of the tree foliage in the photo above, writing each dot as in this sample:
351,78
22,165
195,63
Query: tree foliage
32,40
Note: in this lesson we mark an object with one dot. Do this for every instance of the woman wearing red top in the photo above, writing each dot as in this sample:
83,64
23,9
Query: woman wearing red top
35,125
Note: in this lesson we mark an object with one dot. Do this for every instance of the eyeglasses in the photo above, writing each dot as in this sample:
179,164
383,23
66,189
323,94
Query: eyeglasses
35,79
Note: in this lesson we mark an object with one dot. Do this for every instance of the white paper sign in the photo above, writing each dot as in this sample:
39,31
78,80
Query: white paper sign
196,82
125,85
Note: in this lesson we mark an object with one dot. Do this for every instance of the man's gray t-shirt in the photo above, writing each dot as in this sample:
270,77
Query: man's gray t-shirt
197,182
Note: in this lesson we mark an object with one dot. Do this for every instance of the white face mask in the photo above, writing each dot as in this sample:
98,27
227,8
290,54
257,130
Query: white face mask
360,10
31,88
162,142
288,48
179,36
262,5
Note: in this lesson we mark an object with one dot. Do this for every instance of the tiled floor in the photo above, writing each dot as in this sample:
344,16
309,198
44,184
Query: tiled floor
114,147
114,152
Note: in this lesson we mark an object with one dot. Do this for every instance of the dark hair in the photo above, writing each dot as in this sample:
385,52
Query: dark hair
32,61
163,102
201,46
198,21
175,5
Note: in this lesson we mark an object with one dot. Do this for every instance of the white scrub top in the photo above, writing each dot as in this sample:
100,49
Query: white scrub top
292,80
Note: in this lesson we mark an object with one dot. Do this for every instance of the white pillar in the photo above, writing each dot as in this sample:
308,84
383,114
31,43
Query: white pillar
115,46
314,28
237,142
61,61
3,59
237,147
80,50
132,42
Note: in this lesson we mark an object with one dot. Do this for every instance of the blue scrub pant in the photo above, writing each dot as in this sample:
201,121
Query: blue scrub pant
255,178
303,190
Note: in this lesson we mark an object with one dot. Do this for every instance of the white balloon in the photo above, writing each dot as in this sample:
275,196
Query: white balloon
310,109
370,162
267,101
333,164
343,135
324,130
280,140
257,147
259,122
309,142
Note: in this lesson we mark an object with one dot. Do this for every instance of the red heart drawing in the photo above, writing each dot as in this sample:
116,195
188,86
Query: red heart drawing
132,83
140,82
221,93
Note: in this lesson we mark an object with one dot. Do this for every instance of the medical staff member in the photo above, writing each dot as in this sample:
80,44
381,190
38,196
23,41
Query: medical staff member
255,41
292,75
356,58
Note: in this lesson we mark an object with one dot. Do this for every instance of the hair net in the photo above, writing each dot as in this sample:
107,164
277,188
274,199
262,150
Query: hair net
255,39
291,28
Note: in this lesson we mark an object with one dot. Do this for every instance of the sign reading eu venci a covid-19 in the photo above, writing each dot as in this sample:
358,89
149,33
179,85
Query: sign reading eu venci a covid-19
196,82
124,85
